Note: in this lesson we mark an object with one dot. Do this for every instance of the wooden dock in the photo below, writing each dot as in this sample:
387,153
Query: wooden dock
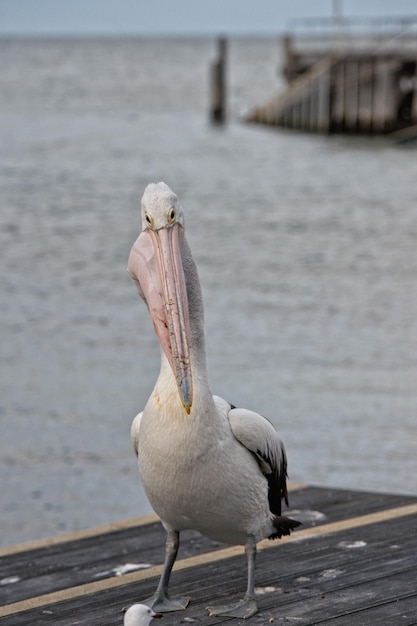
353,562
343,80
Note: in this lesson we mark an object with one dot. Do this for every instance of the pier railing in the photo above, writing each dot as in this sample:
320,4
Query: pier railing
377,29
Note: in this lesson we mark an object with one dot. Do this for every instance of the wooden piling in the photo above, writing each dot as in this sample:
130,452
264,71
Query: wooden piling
351,95
339,95
218,84
323,105
379,112
365,93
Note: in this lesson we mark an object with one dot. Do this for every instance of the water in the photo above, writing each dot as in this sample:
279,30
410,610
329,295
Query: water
306,247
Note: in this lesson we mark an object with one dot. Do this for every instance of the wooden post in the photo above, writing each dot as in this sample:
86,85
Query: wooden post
414,103
366,88
313,124
339,95
351,95
217,86
289,64
323,104
380,101
305,108
385,96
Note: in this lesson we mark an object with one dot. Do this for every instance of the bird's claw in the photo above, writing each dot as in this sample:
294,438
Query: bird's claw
162,603
243,609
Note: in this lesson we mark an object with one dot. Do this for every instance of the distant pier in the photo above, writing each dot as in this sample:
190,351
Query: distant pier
348,77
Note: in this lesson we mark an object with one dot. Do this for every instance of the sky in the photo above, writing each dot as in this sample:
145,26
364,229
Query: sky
178,17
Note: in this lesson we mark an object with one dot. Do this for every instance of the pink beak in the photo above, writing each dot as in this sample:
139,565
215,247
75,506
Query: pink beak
155,265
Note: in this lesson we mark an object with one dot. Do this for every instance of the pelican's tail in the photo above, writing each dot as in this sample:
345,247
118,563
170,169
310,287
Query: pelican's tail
283,526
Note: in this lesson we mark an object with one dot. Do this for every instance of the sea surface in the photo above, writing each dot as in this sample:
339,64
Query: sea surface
307,252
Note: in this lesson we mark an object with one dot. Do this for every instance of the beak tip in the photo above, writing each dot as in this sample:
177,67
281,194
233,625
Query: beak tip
185,389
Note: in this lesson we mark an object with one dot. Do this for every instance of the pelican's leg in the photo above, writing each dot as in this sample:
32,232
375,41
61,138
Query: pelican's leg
160,601
246,607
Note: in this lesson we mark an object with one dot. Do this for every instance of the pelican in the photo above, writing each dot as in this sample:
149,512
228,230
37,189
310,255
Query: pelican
205,464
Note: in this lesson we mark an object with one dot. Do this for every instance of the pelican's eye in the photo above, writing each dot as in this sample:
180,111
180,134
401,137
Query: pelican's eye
171,215
149,219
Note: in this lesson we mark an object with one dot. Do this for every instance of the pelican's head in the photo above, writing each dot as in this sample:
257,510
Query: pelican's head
139,615
156,267
160,207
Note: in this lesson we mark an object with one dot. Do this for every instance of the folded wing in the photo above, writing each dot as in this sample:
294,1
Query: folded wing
259,436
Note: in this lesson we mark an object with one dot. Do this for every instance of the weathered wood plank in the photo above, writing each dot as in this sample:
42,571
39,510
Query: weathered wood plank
95,557
317,560
312,581
91,559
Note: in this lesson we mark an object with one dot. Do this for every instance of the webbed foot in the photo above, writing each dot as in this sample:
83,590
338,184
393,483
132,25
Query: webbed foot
162,603
243,609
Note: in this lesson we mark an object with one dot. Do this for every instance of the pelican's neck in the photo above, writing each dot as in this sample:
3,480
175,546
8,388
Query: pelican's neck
196,314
